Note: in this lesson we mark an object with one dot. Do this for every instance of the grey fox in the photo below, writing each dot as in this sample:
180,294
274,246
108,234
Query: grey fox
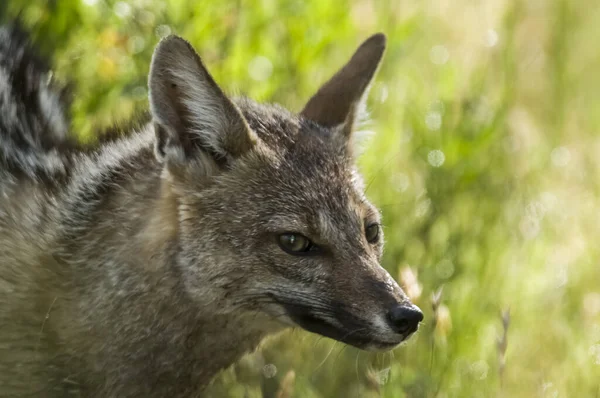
144,265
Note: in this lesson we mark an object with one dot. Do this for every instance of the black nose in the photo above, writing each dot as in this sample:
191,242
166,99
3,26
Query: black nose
405,319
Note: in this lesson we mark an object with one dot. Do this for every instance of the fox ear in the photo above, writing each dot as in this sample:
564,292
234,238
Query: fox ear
191,114
338,102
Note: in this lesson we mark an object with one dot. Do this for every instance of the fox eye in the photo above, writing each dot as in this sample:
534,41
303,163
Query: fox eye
296,244
372,233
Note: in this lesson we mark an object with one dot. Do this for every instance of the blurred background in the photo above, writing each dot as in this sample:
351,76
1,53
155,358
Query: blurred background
485,162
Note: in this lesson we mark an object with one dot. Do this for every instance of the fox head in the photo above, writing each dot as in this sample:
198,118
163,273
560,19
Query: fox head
272,217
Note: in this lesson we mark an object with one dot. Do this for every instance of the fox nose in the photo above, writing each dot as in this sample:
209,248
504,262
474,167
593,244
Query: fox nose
405,319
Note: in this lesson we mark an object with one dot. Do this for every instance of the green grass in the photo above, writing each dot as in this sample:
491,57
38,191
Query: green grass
485,164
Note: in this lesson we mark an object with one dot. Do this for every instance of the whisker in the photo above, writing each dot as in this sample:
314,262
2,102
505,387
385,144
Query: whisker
378,171
344,346
356,370
325,359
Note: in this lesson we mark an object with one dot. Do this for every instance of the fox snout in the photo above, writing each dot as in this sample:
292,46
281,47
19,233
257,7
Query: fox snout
405,319
370,315
389,316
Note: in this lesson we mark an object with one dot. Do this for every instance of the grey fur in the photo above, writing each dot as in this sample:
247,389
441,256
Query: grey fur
143,267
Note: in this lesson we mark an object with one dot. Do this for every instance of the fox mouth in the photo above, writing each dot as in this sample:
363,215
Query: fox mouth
342,327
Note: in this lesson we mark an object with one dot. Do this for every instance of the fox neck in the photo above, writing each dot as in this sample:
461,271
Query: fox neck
130,240
222,332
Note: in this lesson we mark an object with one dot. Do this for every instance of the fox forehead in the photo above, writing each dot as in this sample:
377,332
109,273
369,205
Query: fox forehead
312,192
279,129
307,183
323,223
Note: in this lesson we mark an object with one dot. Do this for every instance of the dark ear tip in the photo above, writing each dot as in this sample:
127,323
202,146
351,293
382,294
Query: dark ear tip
171,38
372,48
172,43
378,40
167,40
